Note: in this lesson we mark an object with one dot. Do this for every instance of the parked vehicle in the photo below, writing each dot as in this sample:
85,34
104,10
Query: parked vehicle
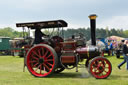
17,46
4,45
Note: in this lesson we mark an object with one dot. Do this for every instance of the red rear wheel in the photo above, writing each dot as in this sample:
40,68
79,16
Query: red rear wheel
100,67
41,60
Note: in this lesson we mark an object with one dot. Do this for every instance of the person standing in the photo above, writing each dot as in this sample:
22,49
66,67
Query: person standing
38,36
125,54
111,48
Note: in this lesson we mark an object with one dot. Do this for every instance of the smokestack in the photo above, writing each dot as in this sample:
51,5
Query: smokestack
93,28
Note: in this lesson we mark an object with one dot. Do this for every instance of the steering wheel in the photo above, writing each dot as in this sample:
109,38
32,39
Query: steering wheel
57,39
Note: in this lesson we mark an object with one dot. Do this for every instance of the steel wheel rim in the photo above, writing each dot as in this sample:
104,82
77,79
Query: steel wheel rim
102,69
40,61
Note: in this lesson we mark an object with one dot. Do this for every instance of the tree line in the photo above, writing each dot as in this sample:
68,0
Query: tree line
100,32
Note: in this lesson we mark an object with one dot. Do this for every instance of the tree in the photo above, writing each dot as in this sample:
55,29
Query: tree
9,32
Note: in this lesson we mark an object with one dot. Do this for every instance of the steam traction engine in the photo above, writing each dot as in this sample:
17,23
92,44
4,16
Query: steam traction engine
56,54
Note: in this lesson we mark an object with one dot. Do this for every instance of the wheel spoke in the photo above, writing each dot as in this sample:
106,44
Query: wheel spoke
49,55
95,64
94,67
106,67
35,53
42,51
101,74
105,71
38,67
46,53
94,70
32,61
49,64
46,66
35,65
34,57
39,53
49,60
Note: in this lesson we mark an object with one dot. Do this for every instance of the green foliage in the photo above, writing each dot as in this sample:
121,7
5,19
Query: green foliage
9,32
125,33
50,32
100,32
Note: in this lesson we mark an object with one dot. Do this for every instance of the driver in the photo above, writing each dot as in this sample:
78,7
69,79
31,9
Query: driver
38,36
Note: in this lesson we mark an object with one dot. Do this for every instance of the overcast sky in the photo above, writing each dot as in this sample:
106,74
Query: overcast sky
111,13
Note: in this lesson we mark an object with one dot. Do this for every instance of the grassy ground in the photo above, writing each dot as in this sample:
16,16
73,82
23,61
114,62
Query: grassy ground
11,73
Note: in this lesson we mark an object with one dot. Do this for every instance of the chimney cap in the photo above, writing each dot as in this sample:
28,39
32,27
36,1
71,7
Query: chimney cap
92,16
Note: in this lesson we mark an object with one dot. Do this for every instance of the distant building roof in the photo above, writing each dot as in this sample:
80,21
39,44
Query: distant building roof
20,38
4,37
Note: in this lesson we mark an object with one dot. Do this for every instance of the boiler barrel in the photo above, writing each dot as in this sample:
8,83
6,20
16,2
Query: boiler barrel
88,52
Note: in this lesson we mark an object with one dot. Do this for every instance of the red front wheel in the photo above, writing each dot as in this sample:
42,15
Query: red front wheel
41,60
100,67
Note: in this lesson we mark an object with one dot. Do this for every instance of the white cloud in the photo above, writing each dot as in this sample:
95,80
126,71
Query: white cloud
118,22
75,12
75,26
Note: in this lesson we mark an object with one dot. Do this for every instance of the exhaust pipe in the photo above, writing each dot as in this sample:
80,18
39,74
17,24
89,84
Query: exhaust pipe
93,28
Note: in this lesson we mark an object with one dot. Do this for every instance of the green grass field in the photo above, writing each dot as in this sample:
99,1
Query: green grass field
11,73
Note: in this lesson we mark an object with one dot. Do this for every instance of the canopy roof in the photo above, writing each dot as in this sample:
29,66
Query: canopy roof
43,24
117,38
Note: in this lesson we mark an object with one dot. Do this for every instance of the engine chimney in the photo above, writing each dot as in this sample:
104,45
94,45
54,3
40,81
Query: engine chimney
93,28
